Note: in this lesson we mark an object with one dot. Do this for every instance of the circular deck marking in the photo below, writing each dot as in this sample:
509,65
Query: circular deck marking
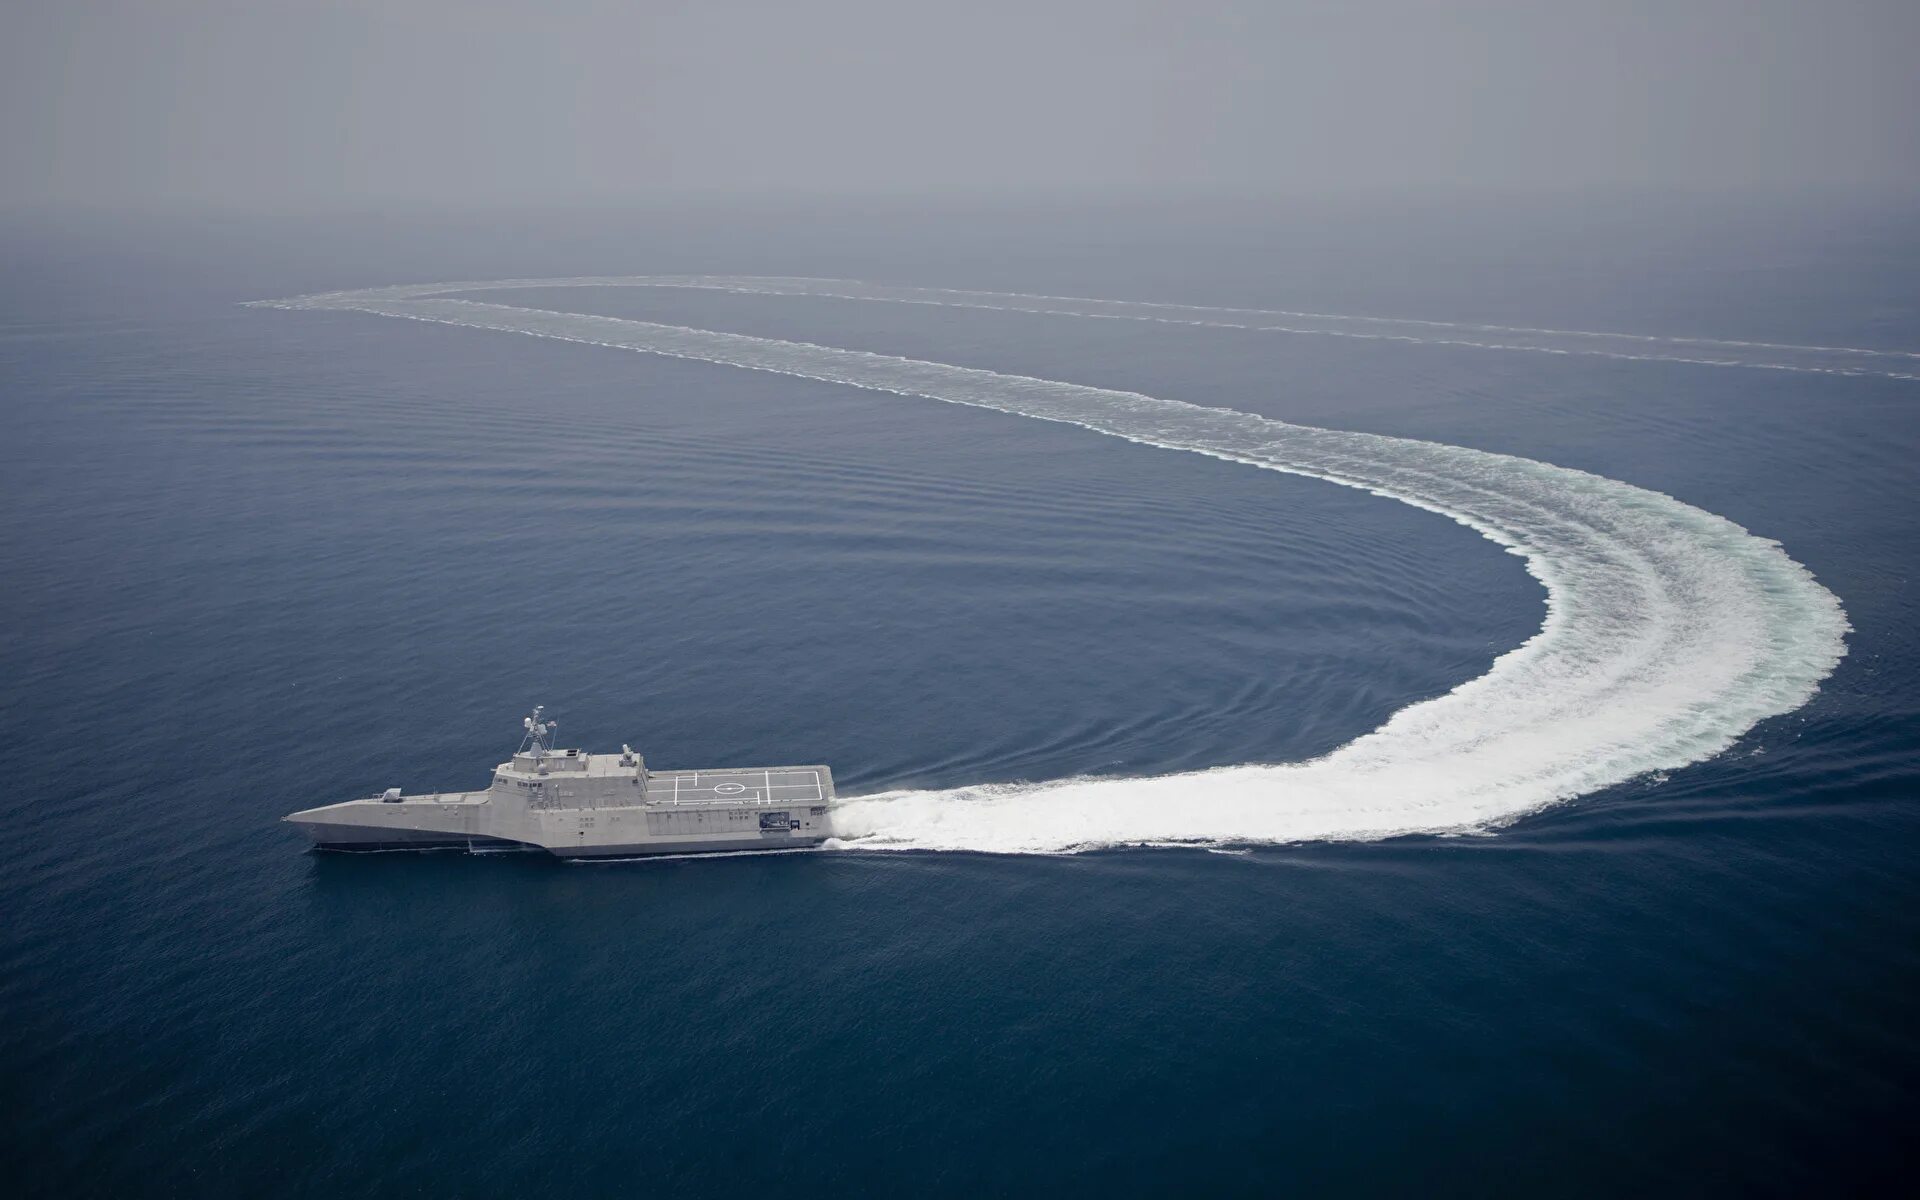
728,789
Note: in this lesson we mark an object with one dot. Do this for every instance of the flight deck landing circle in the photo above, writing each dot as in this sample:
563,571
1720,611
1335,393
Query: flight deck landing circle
728,789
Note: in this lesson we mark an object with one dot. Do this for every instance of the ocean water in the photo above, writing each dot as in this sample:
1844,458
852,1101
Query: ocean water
1635,910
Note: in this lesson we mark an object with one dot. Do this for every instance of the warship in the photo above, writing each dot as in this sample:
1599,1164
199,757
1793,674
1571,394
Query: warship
578,805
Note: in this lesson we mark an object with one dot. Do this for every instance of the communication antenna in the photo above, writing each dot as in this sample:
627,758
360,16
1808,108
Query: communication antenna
539,739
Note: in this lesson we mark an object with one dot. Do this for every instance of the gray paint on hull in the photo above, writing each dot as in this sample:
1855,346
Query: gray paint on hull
637,850
661,849
578,805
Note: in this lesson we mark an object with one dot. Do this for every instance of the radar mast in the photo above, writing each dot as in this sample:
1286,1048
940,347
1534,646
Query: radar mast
539,739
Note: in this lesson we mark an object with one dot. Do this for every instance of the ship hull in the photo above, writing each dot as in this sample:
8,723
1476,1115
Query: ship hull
344,835
366,841
671,849
576,805
372,844
364,826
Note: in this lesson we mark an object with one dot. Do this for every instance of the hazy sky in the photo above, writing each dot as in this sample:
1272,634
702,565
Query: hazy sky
274,103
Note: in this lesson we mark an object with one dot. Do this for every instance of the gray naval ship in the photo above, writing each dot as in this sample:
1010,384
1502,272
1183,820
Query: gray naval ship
579,805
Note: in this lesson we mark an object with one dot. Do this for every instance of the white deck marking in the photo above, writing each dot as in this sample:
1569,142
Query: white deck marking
731,787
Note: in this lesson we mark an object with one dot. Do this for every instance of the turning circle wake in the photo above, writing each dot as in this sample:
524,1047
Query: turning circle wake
1669,631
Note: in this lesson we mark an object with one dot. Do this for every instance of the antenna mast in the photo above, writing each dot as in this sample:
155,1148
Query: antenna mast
539,739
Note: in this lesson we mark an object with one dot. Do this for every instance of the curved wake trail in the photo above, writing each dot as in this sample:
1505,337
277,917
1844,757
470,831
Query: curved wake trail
1669,631
1631,347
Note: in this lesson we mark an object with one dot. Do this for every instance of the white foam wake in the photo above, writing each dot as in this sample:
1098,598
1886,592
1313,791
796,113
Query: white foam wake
1629,347
1669,631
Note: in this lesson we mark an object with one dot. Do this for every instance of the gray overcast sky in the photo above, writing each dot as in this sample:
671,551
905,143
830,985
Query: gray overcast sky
274,103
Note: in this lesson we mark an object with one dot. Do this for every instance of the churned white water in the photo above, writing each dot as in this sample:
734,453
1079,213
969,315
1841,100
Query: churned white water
1669,631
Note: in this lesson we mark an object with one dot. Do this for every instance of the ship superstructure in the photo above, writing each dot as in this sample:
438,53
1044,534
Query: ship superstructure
580,805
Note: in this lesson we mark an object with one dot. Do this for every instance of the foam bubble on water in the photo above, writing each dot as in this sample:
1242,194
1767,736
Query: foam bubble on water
1669,631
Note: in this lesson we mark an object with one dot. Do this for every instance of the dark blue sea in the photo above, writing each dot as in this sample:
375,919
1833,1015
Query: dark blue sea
255,560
